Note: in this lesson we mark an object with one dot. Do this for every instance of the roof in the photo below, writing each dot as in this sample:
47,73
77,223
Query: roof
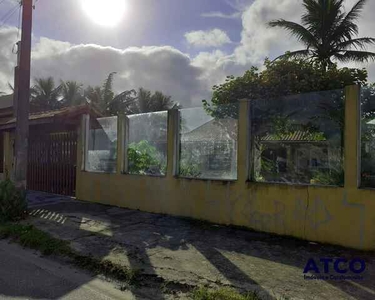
6,101
51,116
214,130
296,136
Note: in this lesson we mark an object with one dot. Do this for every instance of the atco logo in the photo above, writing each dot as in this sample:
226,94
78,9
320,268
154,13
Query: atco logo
334,269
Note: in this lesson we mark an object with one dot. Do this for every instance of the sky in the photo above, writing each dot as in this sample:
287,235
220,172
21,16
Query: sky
179,47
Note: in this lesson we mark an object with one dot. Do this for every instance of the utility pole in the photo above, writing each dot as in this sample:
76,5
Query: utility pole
22,105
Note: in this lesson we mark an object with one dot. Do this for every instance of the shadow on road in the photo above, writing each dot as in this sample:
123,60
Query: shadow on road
173,253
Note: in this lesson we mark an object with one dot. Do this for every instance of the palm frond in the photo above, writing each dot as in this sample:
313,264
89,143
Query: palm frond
359,43
321,16
296,54
301,33
348,27
357,56
107,89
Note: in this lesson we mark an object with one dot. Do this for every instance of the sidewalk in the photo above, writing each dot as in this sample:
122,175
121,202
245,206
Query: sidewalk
194,253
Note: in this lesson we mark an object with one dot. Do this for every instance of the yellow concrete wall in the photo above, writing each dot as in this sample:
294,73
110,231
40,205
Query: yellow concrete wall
343,216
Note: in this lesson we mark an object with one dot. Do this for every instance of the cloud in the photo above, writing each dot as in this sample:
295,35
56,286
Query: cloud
187,79
218,14
155,68
259,40
209,38
8,37
238,5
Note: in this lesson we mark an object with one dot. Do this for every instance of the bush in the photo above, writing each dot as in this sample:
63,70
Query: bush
13,203
331,177
144,159
190,170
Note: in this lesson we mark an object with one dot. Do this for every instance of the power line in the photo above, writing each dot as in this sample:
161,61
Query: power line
19,22
9,14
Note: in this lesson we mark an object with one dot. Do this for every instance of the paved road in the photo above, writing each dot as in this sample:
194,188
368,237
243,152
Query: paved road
26,275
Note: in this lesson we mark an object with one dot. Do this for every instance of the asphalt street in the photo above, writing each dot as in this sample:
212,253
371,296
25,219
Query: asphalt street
24,274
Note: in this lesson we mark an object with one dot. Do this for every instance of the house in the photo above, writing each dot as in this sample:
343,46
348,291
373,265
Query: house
53,139
213,148
292,157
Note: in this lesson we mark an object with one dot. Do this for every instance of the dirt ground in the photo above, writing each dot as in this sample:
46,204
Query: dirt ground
175,254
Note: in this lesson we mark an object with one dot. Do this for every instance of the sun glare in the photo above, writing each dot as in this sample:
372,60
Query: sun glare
107,13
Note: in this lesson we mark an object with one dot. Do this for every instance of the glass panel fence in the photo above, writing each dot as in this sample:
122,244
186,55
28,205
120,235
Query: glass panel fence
299,139
368,137
208,142
147,144
102,147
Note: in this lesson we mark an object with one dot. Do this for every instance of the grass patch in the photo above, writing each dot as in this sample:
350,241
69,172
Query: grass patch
106,268
31,237
221,294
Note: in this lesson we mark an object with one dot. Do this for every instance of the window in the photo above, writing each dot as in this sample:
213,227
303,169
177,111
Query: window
147,144
368,137
208,143
298,139
102,145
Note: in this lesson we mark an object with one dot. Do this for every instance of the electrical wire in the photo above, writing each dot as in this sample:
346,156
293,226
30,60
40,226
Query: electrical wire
9,14
19,22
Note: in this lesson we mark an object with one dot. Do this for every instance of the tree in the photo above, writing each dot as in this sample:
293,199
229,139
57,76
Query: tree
122,102
146,102
277,116
71,92
45,95
101,96
280,78
328,33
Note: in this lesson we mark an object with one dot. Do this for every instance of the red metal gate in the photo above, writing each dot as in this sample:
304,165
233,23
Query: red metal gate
52,163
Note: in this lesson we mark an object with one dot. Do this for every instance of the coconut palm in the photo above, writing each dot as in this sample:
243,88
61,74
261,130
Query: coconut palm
101,96
71,92
329,33
148,102
45,95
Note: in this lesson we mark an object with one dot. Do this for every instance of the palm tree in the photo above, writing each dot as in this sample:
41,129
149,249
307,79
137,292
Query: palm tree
71,92
101,96
329,33
147,102
45,95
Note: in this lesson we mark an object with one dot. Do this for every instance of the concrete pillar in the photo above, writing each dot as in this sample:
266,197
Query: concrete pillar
352,137
83,142
244,150
122,137
173,151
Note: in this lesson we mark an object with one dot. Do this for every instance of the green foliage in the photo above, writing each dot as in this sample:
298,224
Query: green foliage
329,177
144,159
45,95
33,238
221,294
71,92
279,79
328,33
144,102
190,170
13,203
